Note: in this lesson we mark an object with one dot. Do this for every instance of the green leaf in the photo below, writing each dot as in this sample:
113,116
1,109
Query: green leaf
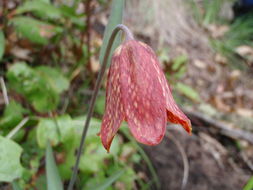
94,181
13,114
41,182
163,55
26,81
70,138
41,86
2,44
53,178
42,9
63,129
96,152
187,91
114,19
93,129
45,1
70,14
36,31
54,78
109,181
128,178
249,185
65,168
179,62
145,157
15,186
44,102
212,11
47,131
21,77
10,167
100,105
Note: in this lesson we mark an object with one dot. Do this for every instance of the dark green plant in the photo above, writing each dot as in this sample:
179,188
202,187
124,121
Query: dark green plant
240,33
35,120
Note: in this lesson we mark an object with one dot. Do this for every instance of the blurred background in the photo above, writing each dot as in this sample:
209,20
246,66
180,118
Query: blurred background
49,60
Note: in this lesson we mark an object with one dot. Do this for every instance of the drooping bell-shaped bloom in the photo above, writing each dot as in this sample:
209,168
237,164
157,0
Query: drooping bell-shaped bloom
137,92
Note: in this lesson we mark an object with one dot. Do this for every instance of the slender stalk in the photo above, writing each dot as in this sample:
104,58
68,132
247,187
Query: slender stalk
5,94
4,14
17,128
129,36
184,158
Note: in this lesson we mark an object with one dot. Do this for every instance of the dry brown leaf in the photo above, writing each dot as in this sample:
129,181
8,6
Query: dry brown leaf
220,59
217,31
244,112
219,103
21,53
235,74
200,64
94,64
244,50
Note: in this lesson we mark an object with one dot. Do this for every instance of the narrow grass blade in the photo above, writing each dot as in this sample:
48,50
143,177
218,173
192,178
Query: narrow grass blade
53,178
108,182
15,186
2,44
249,185
114,19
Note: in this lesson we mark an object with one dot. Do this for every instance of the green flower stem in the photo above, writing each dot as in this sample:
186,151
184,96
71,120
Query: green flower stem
129,36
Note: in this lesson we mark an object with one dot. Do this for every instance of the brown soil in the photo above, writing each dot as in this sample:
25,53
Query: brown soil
206,171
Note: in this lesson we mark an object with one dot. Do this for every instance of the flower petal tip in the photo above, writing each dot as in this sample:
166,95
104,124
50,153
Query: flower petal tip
181,119
188,128
107,144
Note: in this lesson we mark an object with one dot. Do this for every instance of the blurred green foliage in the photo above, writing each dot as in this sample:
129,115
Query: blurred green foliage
13,114
178,66
10,167
2,44
114,19
239,32
208,11
35,30
53,178
39,86
249,184
187,91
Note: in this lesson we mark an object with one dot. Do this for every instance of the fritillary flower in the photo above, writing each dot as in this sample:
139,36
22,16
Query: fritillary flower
137,92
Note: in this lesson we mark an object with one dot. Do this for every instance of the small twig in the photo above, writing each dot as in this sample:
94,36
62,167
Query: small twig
247,161
17,128
184,157
213,147
129,36
88,15
4,90
224,129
